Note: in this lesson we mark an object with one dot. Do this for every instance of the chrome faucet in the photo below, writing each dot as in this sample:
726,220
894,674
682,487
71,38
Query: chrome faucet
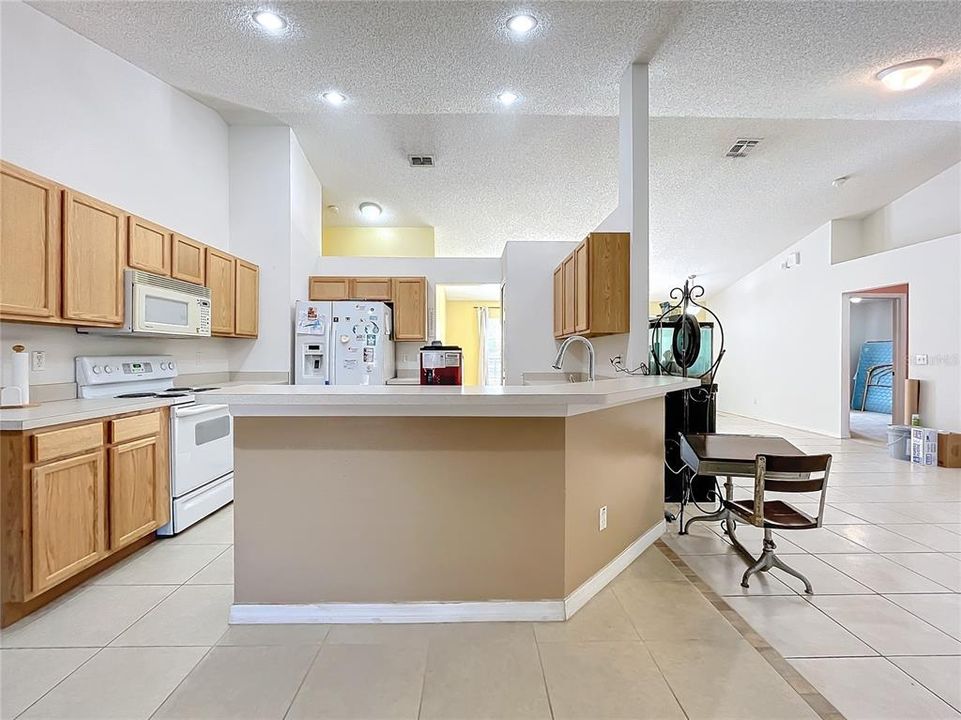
559,360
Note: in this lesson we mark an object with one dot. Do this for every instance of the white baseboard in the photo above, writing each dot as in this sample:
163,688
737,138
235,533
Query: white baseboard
597,582
413,612
441,612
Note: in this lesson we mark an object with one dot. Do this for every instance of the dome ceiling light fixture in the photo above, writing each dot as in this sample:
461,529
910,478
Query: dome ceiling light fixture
909,75
370,210
269,21
521,25
334,97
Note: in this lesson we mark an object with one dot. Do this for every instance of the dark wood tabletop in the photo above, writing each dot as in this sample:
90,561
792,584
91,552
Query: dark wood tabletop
717,453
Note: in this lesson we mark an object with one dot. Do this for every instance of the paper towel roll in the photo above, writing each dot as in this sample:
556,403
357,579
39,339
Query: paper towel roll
20,373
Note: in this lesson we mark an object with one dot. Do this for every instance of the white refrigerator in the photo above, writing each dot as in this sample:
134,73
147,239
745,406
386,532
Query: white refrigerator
343,343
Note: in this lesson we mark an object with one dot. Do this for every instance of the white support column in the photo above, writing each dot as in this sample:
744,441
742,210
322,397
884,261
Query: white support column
634,200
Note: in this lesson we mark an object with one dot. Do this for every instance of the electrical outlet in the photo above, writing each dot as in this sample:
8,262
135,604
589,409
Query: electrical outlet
38,360
920,359
602,519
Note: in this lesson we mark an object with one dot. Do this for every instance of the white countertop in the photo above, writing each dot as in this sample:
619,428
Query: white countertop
561,400
68,411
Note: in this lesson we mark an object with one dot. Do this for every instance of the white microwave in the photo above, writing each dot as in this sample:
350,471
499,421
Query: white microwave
155,305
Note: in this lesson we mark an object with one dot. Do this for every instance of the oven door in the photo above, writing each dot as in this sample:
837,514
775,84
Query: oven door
160,310
202,447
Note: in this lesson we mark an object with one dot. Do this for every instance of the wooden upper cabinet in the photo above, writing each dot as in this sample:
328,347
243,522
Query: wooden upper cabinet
67,524
559,301
135,478
148,246
581,288
29,245
410,308
328,288
369,288
94,256
248,299
569,277
221,279
592,287
188,261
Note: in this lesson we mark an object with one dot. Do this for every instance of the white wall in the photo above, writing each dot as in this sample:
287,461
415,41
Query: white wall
260,232
448,271
931,210
528,310
76,113
785,361
275,201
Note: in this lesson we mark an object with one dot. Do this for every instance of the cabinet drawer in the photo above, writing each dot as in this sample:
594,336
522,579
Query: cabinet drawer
131,428
69,441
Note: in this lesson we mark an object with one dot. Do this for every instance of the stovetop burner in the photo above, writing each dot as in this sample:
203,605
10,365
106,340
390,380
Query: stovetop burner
137,395
191,389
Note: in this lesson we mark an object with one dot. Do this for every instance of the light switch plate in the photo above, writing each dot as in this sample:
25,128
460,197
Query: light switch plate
920,359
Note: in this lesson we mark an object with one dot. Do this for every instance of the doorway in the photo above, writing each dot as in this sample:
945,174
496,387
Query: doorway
469,316
875,361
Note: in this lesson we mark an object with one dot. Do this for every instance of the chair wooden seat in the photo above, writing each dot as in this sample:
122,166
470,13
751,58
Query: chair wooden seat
777,514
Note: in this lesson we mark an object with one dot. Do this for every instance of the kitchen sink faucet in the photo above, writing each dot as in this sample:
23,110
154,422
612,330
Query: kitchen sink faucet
559,360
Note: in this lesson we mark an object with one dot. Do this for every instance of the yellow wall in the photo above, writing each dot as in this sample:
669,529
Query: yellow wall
461,329
378,241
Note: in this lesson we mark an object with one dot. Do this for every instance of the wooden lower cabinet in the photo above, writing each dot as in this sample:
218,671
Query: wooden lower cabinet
65,516
67,529
134,483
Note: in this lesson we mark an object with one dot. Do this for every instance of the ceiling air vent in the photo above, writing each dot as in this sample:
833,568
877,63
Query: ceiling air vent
742,146
421,160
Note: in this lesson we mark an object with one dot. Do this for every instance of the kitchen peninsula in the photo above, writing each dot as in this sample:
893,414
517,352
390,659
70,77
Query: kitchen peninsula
416,504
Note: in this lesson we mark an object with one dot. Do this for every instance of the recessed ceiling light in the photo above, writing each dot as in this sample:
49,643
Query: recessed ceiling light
370,211
334,97
909,75
269,21
507,98
522,24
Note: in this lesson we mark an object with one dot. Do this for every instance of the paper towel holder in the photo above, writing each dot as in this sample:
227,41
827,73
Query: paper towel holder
13,396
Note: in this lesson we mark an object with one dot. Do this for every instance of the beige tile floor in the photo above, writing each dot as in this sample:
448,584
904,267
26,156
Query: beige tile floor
150,639
881,637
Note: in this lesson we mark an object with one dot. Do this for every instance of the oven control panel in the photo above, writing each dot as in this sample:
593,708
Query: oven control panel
100,370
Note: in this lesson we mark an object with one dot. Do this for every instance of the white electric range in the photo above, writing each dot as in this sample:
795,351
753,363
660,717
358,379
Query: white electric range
201,436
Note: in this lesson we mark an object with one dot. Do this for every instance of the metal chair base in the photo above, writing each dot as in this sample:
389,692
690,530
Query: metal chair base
767,560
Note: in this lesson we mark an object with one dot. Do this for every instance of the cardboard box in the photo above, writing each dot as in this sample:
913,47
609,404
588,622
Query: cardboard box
924,446
949,450
912,399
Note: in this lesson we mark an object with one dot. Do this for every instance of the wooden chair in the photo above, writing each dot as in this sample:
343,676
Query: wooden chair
784,474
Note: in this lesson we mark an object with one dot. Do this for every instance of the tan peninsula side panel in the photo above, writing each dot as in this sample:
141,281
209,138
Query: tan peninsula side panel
614,458
398,509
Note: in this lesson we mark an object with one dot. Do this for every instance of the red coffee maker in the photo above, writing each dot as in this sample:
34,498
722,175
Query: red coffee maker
441,364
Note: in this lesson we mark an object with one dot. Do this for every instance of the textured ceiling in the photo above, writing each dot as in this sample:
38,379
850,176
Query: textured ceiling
421,77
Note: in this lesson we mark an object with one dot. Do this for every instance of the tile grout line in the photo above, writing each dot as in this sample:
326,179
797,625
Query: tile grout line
653,659
540,663
300,685
814,699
